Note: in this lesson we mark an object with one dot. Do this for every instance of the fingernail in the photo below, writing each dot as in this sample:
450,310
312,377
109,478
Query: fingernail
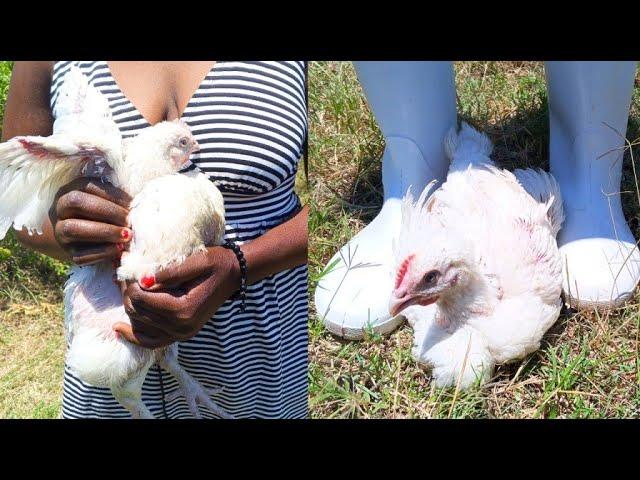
120,246
126,233
148,281
117,335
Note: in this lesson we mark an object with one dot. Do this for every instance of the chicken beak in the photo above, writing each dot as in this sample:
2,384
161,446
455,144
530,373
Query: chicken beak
398,304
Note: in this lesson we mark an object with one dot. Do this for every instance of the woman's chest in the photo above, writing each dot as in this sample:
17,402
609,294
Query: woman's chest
159,90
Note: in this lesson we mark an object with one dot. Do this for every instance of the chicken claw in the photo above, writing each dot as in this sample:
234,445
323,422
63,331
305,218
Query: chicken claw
194,393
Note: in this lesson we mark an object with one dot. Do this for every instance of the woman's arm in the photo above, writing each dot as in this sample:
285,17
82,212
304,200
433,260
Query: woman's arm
185,296
87,217
281,248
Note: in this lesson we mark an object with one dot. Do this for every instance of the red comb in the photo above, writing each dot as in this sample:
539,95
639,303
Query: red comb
403,270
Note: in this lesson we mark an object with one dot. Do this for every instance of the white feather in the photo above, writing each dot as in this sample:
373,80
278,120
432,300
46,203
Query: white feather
195,204
545,189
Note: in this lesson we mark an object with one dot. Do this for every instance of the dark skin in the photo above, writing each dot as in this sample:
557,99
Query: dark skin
88,217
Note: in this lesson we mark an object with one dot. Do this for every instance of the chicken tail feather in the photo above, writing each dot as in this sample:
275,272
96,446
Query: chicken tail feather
544,188
467,147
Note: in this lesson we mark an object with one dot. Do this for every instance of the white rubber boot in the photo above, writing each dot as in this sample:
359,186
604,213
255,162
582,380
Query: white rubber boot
589,107
415,105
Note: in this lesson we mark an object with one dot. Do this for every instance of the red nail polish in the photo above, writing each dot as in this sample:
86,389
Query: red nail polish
125,233
120,246
148,281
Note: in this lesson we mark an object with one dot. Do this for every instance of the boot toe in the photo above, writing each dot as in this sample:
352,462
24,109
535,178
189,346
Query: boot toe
599,273
352,301
353,297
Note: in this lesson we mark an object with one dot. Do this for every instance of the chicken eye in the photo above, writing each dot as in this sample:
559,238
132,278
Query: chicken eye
183,142
431,277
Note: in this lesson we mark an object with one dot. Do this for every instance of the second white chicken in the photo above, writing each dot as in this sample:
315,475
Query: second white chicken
478,268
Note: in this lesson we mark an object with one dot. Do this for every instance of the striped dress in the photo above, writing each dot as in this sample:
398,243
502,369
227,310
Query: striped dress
250,121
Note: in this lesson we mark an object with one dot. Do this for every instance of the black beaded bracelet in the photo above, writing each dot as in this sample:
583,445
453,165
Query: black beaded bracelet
242,293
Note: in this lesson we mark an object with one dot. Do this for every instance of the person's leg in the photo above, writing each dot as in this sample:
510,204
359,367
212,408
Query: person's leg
415,105
588,108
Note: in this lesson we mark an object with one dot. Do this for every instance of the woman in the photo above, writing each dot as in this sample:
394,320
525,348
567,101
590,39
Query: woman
249,119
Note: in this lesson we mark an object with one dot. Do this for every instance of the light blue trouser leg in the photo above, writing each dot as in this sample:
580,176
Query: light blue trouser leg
588,108
415,105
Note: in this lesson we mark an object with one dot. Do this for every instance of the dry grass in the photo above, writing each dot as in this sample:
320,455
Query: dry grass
588,366
31,333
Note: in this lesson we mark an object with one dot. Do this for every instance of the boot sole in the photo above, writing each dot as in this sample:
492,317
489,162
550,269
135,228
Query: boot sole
351,333
599,306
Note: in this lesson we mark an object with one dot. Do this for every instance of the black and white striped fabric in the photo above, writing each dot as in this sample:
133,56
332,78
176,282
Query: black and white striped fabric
250,121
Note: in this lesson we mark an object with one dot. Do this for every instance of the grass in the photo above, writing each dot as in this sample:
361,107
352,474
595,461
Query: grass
588,366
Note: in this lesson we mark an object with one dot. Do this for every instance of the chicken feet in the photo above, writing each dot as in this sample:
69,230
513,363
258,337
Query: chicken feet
194,393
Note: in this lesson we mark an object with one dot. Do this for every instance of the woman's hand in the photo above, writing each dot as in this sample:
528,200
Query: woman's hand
185,296
89,219
182,299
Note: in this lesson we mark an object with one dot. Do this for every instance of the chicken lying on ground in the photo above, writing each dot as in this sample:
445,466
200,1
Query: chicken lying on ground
86,141
482,251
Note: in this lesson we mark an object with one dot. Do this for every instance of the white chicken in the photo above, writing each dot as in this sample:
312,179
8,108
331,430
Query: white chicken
482,252
86,141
